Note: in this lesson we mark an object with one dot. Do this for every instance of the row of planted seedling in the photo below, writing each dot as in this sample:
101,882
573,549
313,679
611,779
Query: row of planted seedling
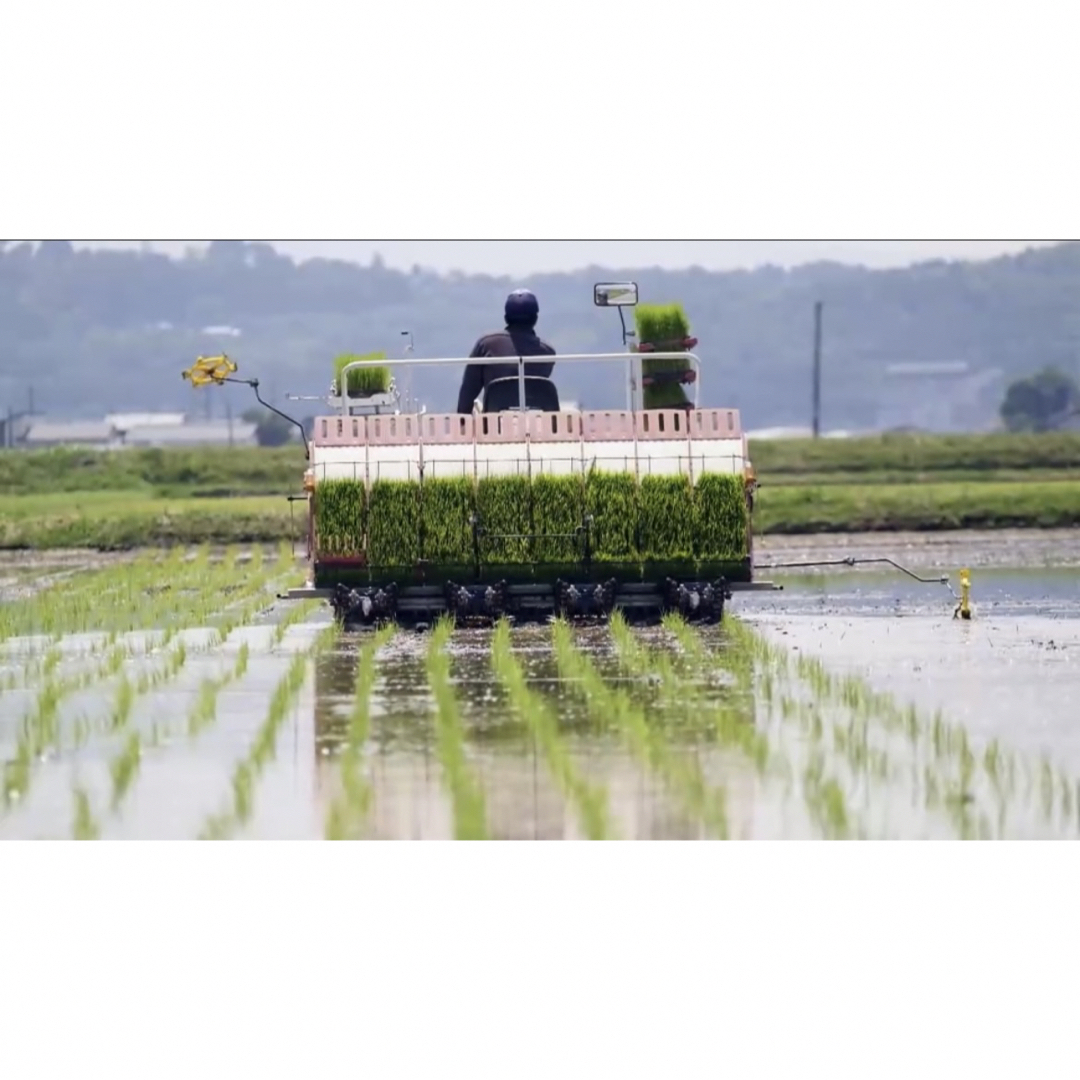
133,742
656,518
841,749
696,712
142,593
149,603
856,761
214,596
263,748
202,714
979,792
615,710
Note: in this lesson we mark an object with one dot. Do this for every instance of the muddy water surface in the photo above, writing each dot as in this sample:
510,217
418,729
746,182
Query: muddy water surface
666,750
1010,673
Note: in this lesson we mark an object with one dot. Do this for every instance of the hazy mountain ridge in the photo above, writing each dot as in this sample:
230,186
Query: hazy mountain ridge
98,331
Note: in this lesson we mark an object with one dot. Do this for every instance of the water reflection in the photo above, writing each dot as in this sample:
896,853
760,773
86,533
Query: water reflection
523,800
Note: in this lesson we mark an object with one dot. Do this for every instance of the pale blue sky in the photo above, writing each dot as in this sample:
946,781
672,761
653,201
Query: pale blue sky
538,256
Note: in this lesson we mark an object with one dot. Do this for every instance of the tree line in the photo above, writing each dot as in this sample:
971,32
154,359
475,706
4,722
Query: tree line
89,332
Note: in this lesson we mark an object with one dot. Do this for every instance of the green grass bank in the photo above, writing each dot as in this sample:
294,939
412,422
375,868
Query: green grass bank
131,498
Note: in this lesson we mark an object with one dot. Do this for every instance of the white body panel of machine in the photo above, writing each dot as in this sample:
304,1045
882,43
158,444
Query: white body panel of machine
659,442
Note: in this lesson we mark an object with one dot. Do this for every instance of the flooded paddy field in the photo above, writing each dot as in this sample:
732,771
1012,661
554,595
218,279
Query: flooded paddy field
1011,675
169,696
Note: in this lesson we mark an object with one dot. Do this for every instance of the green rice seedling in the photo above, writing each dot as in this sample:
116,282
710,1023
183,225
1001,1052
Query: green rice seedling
957,805
393,523
557,510
124,767
122,705
52,661
363,382
825,798
504,506
683,777
721,518
340,517
446,507
611,500
834,809
45,720
466,794
204,711
177,657
668,518
665,327
540,716
348,811
84,826
1046,787
145,681
243,788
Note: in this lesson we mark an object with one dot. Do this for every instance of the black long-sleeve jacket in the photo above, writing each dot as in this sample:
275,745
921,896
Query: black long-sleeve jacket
513,342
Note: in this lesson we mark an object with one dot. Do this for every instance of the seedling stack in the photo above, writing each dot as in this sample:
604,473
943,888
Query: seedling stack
663,328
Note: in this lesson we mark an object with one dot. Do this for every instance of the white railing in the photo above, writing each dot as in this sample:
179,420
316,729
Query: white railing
632,360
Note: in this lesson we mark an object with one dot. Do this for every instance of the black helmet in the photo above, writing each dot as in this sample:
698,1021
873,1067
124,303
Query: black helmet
522,307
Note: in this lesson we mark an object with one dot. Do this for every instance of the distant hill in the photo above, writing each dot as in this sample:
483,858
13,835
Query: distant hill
93,332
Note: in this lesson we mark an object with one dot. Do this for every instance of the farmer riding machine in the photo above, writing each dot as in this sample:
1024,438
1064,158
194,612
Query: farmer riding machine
535,511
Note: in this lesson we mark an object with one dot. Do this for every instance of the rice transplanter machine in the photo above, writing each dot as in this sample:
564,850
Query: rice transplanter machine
367,438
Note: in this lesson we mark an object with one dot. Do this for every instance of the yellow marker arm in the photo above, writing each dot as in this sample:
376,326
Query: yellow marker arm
210,369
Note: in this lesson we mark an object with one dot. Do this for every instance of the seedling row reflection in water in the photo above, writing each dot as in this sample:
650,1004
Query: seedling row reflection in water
731,735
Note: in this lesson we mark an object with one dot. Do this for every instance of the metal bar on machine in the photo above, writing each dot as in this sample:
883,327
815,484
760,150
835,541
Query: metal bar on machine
568,358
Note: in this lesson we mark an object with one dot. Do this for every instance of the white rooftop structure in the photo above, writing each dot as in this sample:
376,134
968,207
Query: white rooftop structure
771,434
929,368
70,433
768,434
209,433
126,421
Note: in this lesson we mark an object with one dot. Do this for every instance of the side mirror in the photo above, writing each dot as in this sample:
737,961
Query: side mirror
616,294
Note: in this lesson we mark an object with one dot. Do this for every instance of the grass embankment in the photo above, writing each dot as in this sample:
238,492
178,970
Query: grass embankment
78,498
121,520
917,483
927,507
927,456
